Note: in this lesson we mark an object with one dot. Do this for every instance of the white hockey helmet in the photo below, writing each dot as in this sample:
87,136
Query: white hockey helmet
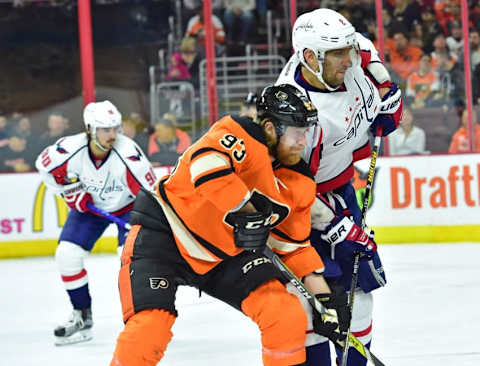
101,115
322,30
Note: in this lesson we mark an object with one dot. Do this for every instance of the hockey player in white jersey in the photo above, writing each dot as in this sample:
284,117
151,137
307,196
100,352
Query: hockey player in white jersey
107,169
340,72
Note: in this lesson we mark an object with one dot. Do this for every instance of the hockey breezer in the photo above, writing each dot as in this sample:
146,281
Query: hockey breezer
318,306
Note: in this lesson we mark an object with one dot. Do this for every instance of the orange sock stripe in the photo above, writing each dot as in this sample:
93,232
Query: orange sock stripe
129,244
125,288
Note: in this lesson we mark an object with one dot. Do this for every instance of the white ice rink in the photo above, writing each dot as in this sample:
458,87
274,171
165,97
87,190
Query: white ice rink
428,315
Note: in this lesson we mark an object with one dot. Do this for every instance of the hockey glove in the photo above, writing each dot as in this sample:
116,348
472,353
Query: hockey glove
75,197
390,112
343,231
336,327
251,229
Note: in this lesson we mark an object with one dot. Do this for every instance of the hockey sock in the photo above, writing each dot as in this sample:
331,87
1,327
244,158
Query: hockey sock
354,357
283,333
318,354
144,339
80,297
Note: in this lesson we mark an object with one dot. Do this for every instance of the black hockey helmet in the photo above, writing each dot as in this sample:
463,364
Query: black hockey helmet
285,106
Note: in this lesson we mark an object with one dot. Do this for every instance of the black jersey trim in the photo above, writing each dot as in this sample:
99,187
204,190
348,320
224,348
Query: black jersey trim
252,128
210,247
214,175
205,150
282,235
301,167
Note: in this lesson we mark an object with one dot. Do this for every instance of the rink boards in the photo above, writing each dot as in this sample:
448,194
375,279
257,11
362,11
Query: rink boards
415,199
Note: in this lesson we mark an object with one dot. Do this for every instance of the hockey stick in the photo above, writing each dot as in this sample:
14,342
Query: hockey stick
317,305
356,261
108,216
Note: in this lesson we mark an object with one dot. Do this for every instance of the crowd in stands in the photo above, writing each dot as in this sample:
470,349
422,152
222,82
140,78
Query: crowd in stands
423,51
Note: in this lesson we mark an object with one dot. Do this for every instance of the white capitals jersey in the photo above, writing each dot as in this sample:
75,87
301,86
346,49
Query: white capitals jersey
113,183
344,117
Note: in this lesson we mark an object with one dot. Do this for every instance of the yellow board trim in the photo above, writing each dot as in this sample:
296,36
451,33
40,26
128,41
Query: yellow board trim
427,234
383,235
17,249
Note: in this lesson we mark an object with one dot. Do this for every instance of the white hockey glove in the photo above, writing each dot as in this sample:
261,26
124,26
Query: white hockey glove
343,231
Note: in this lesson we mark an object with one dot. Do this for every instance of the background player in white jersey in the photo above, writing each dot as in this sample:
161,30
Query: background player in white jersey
340,72
107,169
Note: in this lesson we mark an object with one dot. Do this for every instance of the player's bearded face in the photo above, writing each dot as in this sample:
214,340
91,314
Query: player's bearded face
335,65
291,145
107,136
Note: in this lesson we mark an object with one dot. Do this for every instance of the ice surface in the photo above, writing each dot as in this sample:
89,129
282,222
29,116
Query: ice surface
428,314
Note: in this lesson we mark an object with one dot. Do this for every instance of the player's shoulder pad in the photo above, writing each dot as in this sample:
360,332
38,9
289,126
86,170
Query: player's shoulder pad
129,151
251,128
301,167
63,149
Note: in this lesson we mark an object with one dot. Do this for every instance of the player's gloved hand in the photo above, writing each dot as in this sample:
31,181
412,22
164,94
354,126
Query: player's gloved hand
333,327
390,112
343,231
75,197
251,229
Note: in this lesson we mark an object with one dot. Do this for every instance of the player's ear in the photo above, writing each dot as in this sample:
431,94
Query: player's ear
309,55
269,129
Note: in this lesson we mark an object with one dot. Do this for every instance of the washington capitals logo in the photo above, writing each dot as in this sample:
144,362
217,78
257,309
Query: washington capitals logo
60,149
135,157
359,182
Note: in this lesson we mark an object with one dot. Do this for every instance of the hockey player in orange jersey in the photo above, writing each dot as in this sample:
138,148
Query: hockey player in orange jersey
240,187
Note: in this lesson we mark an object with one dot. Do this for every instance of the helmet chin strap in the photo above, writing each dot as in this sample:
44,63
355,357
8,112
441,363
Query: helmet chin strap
93,134
318,75
99,145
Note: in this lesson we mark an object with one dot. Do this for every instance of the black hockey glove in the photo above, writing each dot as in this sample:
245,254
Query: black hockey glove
334,328
251,229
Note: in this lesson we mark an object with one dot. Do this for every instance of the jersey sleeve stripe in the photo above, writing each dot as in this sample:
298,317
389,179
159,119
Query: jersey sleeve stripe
206,163
214,175
209,150
285,247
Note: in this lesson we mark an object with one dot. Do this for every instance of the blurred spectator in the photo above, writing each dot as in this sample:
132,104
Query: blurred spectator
4,133
406,12
460,140
135,131
15,157
167,143
429,29
476,85
358,13
423,86
408,139
196,29
404,57
190,8
249,106
440,50
238,18
455,40
447,12
474,39
56,129
184,64
23,128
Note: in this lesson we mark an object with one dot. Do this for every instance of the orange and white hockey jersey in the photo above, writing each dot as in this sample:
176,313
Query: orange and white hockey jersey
216,176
